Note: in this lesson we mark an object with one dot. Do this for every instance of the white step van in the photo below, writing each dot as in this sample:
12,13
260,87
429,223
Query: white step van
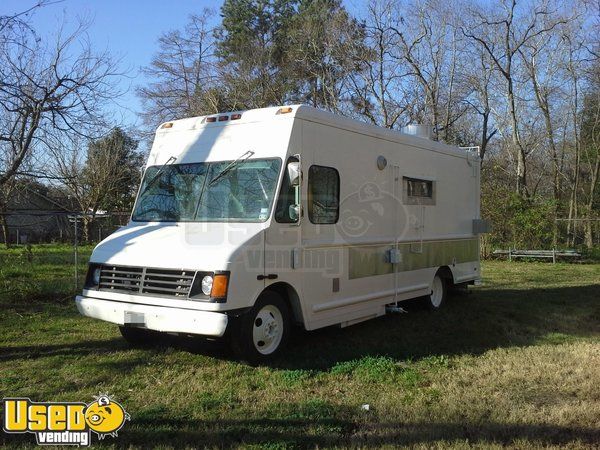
247,223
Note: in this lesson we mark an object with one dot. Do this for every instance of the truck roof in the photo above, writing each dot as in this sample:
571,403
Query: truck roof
315,115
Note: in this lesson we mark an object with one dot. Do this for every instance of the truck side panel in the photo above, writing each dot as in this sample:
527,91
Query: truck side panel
348,273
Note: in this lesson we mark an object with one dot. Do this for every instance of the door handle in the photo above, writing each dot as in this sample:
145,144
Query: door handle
271,276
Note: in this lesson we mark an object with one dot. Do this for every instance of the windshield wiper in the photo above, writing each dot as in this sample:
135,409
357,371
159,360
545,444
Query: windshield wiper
235,163
157,175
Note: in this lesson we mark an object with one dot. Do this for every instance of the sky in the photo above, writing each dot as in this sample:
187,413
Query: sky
128,29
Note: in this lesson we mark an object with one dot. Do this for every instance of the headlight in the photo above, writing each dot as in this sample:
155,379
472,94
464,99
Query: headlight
210,286
96,276
207,283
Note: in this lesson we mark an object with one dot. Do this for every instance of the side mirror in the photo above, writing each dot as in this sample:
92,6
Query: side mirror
294,173
294,212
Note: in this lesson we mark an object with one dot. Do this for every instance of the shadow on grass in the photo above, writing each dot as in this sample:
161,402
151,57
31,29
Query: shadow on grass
329,432
468,324
80,348
325,432
482,320
105,347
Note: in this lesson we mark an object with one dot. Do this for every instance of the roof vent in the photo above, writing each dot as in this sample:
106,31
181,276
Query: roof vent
418,130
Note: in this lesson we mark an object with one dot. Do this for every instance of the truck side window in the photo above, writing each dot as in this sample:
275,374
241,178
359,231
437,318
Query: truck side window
286,197
323,194
418,192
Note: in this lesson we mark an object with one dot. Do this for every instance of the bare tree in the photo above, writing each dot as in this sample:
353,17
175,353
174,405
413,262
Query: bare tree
479,78
184,73
412,68
98,174
6,192
428,43
575,80
378,90
591,150
544,60
49,90
502,32
13,25
46,90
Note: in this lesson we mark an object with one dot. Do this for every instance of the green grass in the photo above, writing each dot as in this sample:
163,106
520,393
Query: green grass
513,363
44,273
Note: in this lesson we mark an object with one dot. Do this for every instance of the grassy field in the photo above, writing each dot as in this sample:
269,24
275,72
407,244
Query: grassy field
516,362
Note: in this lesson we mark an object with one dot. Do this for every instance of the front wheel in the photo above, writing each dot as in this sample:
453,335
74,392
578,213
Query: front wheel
437,297
261,333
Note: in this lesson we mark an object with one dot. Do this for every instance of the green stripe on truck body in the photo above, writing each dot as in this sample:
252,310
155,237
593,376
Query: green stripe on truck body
372,260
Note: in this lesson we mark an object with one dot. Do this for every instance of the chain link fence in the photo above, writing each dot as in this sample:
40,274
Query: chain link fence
43,227
47,251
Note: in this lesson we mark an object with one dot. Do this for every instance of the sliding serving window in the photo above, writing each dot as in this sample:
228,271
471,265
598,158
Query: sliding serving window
208,192
418,192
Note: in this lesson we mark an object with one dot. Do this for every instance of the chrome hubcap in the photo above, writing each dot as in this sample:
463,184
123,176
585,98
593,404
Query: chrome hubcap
267,330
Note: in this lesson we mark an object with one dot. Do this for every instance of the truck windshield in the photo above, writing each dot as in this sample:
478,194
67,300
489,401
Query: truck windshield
201,192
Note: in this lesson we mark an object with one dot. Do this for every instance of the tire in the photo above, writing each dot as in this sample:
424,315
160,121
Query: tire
138,337
439,290
261,334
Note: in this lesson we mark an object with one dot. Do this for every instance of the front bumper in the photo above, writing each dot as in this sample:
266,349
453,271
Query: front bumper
158,318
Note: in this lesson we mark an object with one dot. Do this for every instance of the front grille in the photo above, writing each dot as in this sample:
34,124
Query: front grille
167,282
141,280
122,279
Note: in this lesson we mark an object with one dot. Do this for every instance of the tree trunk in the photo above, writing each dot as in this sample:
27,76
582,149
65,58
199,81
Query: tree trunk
574,210
4,225
86,229
570,220
450,92
589,235
516,138
544,105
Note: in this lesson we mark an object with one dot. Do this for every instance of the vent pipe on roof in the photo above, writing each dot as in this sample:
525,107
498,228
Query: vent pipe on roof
418,130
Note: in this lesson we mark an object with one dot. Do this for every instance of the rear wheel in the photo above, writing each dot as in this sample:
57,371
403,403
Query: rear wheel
261,333
138,336
437,297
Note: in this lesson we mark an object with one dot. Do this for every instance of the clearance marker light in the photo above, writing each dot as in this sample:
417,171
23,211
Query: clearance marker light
284,110
235,116
167,125
211,119
223,118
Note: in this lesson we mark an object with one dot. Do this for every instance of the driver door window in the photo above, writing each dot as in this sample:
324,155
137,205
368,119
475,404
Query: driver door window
286,197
